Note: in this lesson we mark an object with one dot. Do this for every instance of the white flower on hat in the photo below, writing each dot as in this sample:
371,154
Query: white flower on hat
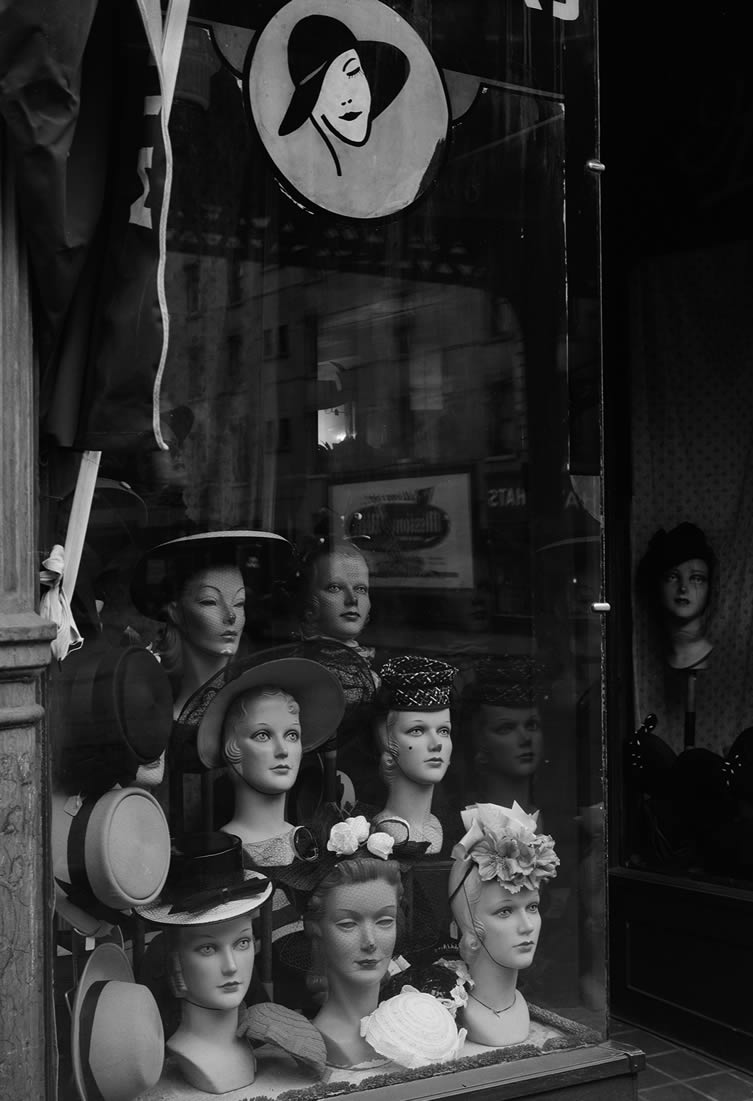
342,839
360,827
380,844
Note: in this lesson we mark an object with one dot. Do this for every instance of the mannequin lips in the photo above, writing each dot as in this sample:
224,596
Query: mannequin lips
367,964
526,945
434,761
351,616
281,768
230,987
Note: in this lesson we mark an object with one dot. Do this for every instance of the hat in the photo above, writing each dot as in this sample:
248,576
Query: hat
162,571
416,683
207,883
510,680
314,42
117,705
117,1041
503,844
316,691
669,548
117,849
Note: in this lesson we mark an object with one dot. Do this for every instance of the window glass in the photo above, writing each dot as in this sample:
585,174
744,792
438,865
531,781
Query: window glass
355,597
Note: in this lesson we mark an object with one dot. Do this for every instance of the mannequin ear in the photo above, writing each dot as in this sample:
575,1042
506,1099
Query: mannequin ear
175,614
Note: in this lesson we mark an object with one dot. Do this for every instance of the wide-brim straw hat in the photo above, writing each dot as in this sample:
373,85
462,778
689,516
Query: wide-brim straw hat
117,1040
317,692
160,574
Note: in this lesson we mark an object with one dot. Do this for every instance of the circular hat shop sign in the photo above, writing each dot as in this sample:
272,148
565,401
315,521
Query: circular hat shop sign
349,105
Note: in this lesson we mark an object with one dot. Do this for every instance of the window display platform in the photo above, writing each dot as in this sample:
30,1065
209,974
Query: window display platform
600,1072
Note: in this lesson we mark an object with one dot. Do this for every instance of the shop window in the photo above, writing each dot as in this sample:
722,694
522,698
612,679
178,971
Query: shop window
351,647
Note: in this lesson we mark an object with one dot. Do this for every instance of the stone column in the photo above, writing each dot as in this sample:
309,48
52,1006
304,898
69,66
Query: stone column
27,1047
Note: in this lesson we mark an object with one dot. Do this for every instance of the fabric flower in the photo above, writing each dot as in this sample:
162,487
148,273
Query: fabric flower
360,827
504,845
380,844
342,839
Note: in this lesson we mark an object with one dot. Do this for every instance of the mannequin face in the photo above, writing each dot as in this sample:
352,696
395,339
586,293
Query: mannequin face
510,738
340,588
269,742
422,742
512,923
210,611
685,589
344,102
358,930
217,961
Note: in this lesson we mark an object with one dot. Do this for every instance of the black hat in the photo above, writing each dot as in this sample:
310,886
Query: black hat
416,684
510,680
669,548
207,883
162,571
314,42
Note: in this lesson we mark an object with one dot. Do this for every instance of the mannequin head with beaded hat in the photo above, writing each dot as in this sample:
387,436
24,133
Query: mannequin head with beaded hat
502,720
413,730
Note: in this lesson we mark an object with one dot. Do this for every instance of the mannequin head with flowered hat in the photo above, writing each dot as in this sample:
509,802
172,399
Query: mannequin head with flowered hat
498,869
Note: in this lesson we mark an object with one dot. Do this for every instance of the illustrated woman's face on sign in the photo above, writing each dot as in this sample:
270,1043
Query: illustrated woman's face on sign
422,742
344,102
216,961
512,923
265,745
685,589
510,738
210,611
358,930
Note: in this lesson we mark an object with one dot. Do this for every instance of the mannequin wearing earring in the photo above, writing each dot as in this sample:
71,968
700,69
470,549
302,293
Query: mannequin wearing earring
494,900
414,734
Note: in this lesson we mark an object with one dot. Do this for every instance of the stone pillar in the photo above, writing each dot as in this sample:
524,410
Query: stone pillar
27,1047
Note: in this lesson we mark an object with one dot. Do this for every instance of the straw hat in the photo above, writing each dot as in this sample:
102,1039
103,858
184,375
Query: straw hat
116,848
316,691
117,1041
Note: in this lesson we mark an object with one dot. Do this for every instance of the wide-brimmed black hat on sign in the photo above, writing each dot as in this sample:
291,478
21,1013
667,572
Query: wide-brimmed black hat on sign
159,576
314,43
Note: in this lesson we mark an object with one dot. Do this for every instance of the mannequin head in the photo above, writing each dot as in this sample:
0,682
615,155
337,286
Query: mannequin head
209,611
494,883
211,965
262,739
415,744
503,725
494,921
676,574
335,595
352,920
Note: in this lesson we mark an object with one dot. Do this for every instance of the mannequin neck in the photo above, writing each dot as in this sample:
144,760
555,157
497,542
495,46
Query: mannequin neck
408,799
340,1017
688,644
216,1026
257,816
208,1053
493,984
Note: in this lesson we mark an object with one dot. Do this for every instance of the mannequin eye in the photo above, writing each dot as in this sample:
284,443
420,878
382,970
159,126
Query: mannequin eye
243,944
293,735
386,922
362,589
260,736
504,912
333,588
205,950
533,907
346,925
444,731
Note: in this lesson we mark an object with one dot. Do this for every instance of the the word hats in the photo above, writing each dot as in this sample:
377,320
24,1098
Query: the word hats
117,1040
160,574
412,683
207,883
115,848
316,691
